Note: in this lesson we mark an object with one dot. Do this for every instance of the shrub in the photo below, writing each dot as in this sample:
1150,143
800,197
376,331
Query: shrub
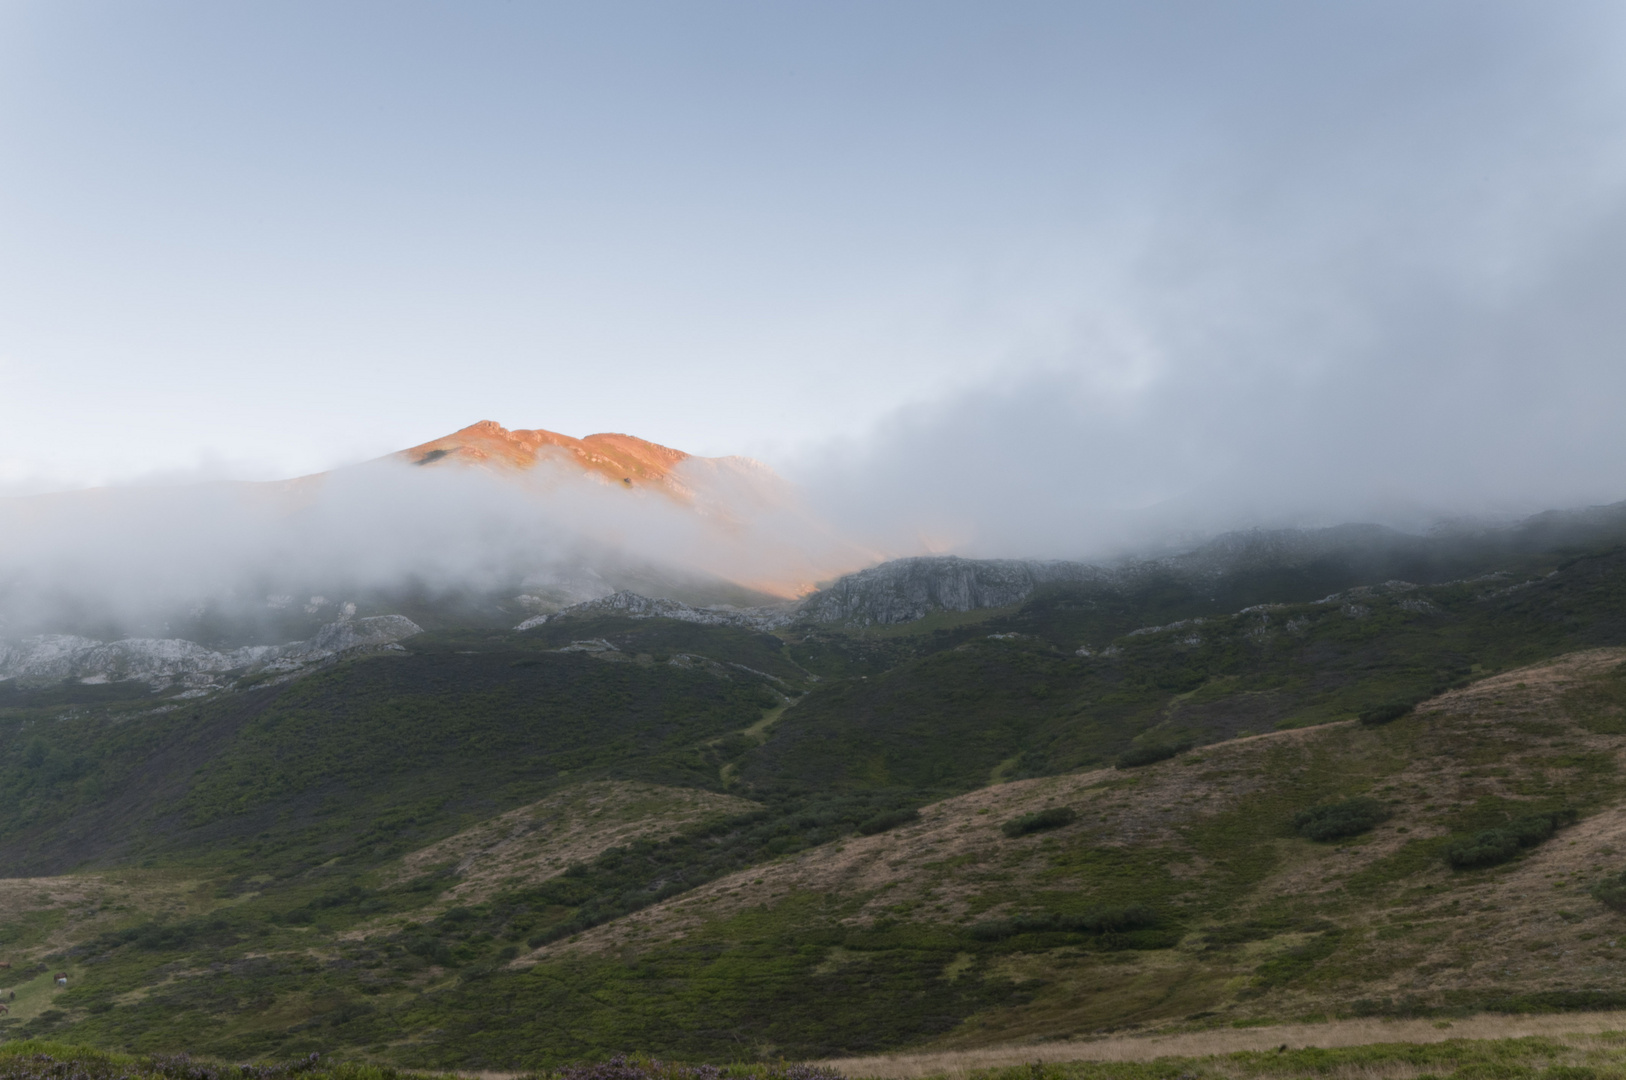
1500,844
1483,849
216,932
1112,920
1147,753
1039,821
1335,821
1611,892
1383,714
880,823
1116,920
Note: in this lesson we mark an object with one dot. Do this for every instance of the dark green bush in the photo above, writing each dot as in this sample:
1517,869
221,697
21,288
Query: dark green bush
1039,821
1611,892
1498,845
1113,920
880,823
158,936
1383,714
1147,753
1483,849
1334,821
1116,920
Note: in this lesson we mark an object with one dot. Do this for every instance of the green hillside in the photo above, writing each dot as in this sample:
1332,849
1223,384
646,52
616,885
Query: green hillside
1010,695
702,841
364,759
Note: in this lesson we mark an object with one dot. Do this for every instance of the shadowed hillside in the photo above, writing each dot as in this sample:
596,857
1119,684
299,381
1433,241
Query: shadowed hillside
636,825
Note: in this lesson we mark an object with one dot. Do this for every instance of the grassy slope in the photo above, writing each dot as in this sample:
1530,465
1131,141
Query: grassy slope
282,815
363,760
1577,1056
1260,923
869,942
965,703
276,955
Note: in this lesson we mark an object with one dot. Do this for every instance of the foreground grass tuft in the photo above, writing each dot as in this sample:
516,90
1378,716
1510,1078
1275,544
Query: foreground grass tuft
39,1060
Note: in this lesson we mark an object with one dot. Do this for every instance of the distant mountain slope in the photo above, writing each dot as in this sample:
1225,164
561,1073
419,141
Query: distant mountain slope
904,590
1071,677
1230,571
359,759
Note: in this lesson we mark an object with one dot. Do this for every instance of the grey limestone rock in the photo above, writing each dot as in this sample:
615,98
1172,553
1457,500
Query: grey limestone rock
161,662
907,589
633,606
336,637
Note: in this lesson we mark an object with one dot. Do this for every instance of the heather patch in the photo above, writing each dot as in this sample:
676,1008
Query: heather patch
1336,821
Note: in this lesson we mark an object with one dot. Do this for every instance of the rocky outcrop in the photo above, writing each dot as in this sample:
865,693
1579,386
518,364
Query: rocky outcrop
337,637
907,589
894,592
49,656
62,656
162,662
633,606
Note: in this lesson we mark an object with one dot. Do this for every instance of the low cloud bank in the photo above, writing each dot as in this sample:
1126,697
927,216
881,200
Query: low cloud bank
1373,273
138,560
1397,304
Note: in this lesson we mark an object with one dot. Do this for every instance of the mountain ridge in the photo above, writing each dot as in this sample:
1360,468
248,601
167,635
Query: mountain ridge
612,456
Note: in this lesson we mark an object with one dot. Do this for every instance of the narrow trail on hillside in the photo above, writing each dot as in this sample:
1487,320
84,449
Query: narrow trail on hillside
757,733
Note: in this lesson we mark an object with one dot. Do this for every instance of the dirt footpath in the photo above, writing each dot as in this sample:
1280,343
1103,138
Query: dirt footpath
1226,1041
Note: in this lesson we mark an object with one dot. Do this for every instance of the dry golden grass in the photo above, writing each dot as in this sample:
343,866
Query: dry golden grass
1527,927
84,901
71,908
539,841
939,862
1530,925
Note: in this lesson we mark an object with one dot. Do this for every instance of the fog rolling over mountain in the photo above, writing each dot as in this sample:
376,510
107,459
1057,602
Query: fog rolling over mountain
492,527
494,523
526,748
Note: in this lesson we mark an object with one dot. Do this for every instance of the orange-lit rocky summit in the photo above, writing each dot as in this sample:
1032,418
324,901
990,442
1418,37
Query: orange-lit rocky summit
621,459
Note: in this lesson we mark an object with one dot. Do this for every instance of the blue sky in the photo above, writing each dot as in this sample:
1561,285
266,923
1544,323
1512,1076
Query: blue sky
1317,258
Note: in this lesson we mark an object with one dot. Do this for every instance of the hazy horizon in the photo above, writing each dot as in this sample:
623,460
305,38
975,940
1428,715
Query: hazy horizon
1041,280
